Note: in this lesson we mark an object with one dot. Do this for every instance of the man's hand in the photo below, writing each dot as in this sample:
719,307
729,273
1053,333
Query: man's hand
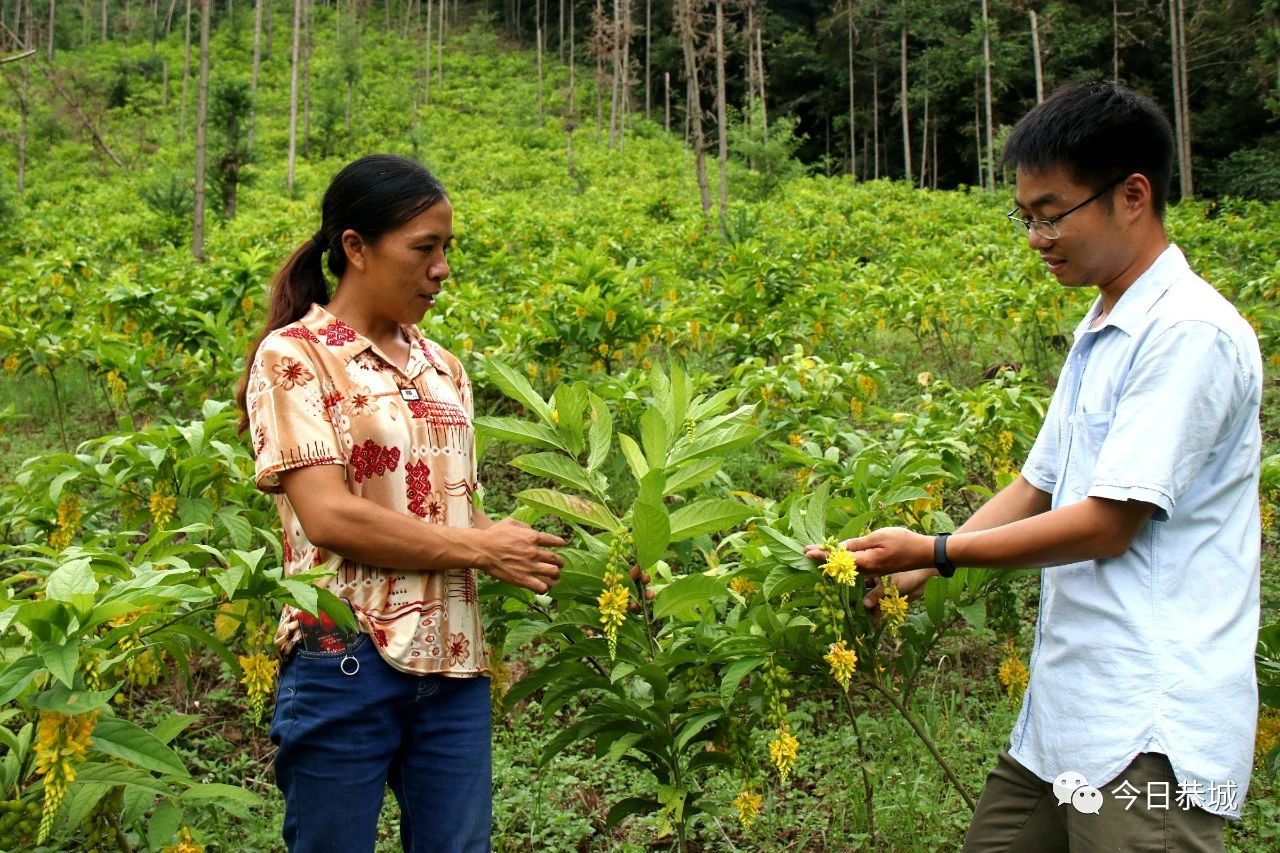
884,551
911,584
515,553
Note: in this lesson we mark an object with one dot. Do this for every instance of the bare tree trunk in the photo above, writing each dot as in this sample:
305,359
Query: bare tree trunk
1115,40
202,104
104,21
53,5
693,107
615,57
426,98
853,138
598,39
440,45
560,43
24,93
986,73
722,122
293,91
977,127
924,138
906,111
875,113
648,26
666,82
570,123
624,89
1035,52
257,65
934,173
538,36
306,77
764,111
186,73
1181,117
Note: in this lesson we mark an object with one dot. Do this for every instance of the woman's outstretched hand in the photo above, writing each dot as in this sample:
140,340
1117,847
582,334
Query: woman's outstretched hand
515,553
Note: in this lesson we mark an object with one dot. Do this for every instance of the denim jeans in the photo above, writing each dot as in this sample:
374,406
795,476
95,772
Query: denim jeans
344,732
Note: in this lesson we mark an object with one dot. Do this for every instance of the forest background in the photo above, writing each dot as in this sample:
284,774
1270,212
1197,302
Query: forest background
730,277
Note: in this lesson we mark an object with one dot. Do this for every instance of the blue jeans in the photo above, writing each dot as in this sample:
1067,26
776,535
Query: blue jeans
343,737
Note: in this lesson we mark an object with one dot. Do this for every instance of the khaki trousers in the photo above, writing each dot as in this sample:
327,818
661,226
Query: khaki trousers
1019,813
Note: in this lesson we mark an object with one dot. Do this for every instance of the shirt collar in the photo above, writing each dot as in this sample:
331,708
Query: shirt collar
345,343
1136,302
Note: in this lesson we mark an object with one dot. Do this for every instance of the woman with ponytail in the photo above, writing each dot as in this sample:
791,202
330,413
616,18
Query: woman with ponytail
361,428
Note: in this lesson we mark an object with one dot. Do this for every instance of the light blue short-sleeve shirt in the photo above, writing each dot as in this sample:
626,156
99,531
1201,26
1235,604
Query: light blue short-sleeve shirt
1153,651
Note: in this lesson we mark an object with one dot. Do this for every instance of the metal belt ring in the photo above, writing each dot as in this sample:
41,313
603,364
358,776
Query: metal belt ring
342,665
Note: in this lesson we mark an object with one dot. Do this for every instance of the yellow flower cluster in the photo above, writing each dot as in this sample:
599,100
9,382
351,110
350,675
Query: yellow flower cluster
748,805
163,505
116,386
69,516
866,386
11,365
259,679
783,750
615,598
795,439
610,317
186,843
742,586
841,567
1268,516
61,743
1005,440
842,661
893,607
1268,733
532,370
924,378
499,682
1013,673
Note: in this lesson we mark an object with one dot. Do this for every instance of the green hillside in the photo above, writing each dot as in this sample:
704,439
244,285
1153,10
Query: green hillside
846,355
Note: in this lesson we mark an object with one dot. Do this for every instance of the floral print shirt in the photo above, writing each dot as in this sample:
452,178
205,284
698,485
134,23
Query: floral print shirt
321,394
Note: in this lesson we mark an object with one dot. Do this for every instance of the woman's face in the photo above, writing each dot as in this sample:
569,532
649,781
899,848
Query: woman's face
404,270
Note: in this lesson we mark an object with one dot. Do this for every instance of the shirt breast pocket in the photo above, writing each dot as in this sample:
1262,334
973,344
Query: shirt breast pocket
1089,432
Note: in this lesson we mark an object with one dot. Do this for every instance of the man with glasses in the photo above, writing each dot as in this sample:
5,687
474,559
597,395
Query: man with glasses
1140,497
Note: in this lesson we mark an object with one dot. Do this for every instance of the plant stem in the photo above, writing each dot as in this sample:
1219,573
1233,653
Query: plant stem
928,741
57,405
868,791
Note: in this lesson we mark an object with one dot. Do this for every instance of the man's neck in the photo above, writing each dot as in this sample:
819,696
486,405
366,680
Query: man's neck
1152,248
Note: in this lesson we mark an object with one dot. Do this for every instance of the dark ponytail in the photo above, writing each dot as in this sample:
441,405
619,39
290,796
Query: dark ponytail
370,196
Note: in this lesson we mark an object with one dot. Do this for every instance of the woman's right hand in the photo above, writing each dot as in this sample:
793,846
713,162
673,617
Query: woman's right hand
515,553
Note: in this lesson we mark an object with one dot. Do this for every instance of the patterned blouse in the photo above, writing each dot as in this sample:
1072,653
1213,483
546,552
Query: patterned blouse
321,394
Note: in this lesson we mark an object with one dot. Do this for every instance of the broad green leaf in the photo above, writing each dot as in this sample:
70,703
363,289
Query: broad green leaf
169,727
558,467
68,701
692,475
119,774
570,400
81,798
570,508
717,442
136,745
518,431
707,516
17,675
693,726
652,531
692,592
635,459
61,660
220,792
511,383
163,825
304,594
629,806
238,526
72,581
655,437
733,676
599,434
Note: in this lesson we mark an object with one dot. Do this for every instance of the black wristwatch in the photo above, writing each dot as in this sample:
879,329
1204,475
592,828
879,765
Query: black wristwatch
941,562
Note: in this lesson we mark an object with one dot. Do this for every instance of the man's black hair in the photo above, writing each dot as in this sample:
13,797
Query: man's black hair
1097,131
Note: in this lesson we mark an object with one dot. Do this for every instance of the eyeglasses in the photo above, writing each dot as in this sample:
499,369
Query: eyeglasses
1048,228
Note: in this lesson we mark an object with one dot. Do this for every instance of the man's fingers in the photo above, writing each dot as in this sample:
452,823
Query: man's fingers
872,599
815,552
549,557
549,570
548,540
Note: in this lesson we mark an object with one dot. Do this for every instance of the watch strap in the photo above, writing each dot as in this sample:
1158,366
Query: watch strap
941,562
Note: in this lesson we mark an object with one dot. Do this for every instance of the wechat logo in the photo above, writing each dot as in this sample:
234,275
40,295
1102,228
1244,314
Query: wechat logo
1072,787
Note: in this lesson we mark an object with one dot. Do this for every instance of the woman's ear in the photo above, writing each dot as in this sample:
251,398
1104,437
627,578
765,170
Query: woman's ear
353,247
